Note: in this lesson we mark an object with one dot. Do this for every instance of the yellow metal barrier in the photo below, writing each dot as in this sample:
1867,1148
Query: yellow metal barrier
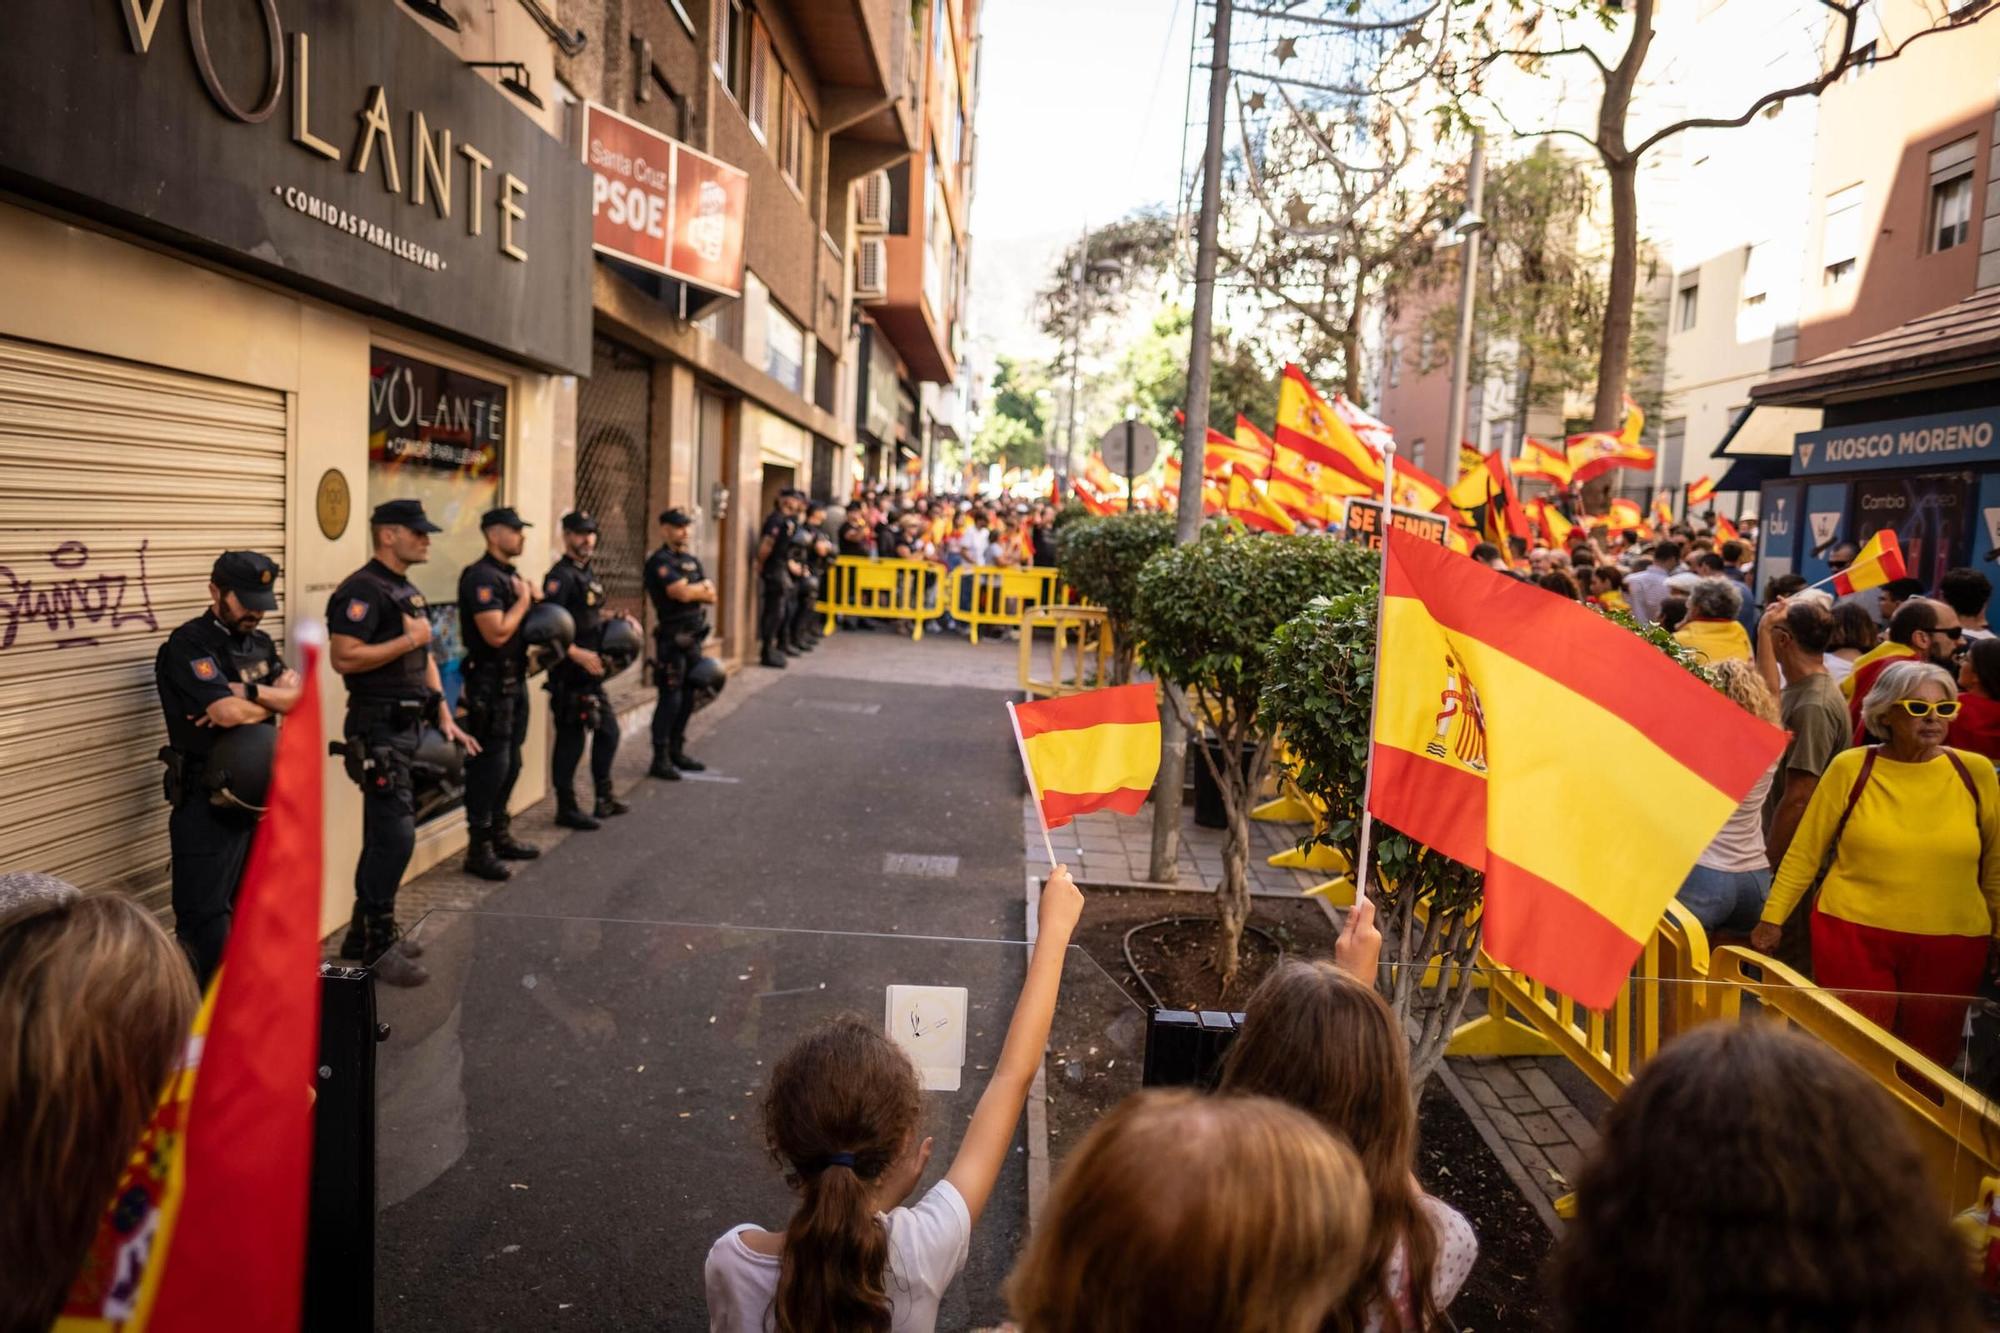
911,590
1079,644
1954,1126
996,595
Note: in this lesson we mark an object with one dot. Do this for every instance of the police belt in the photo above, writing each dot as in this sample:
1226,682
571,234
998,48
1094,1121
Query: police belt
494,675
398,713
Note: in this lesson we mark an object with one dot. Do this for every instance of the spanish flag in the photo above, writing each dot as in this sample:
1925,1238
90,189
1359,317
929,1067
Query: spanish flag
1094,751
1699,492
1542,462
1488,693
1369,430
1251,440
1555,525
1725,530
1596,452
1308,424
1093,500
1880,562
1634,425
1252,507
1624,516
1663,512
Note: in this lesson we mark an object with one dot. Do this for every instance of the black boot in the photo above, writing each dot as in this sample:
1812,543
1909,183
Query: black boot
481,859
663,766
354,945
504,844
389,955
686,762
801,645
570,815
608,804
773,658
791,650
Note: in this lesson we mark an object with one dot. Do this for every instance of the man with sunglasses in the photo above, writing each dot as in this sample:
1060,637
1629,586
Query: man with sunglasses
1925,630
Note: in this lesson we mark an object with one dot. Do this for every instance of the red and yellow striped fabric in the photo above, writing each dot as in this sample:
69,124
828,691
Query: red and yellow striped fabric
1252,507
1542,462
1094,751
1499,709
1879,562
1308,424
1699,492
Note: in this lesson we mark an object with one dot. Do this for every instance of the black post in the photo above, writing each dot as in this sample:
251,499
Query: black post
340,1229
1128,464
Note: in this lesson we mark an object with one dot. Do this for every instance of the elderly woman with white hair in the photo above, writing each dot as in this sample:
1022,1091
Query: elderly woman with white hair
1900,850
1711,628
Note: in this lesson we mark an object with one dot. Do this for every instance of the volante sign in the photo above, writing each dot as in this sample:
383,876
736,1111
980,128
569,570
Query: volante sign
327,145
659,204
1947,440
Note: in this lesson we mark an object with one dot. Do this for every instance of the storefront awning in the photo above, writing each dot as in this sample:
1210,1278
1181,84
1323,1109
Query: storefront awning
1758,443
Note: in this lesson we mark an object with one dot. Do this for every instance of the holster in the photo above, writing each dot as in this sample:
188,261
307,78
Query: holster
573,706
174,780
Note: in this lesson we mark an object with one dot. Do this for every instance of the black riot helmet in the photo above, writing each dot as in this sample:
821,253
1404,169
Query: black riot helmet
548,630
238,769
438,757
618,643
706,679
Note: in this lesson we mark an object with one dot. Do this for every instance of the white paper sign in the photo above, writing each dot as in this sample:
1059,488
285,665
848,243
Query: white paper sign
929,1023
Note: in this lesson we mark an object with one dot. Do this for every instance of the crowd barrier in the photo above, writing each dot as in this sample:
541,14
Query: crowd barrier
995,595
911,590
1076,643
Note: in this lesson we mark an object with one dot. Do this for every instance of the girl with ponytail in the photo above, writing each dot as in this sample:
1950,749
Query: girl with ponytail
841,1118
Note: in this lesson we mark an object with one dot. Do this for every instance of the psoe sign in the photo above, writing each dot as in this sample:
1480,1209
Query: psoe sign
661,205
1951,439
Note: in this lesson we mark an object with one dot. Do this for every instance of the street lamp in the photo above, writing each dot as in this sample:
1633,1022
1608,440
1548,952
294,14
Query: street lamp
1466,231
1078,294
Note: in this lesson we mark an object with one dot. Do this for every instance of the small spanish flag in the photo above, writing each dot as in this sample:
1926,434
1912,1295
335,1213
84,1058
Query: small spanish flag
1880,562
1487,692
1252,507
1725,530
1699,492
1094,751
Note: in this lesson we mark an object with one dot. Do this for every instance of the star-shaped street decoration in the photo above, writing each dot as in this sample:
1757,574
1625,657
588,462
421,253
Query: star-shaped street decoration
1286,49
1256,101
1298,211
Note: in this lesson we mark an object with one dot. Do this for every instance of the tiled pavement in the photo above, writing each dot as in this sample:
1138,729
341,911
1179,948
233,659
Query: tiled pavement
1110,848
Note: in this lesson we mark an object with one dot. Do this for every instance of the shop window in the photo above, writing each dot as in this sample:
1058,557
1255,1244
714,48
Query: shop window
1951,195
613,444
784,349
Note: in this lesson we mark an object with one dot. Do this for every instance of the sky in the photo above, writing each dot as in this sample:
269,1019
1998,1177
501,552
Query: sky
1080,112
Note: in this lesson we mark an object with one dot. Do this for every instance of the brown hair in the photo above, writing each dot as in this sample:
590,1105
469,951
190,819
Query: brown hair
95,1005
843,1106
1751,1179
1183,1213
1317,1039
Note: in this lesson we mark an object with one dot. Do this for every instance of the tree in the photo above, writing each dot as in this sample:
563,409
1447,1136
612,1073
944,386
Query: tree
1203,615
1104,271
1100,560
1155,369
1015,429
1512,30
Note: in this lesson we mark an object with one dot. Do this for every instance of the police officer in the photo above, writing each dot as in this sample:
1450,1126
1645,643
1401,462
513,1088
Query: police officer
814,550
378,636
215,673
776,570
493,600
576,684
680,590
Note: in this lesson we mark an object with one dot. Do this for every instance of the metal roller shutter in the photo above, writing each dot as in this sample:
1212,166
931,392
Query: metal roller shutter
119,484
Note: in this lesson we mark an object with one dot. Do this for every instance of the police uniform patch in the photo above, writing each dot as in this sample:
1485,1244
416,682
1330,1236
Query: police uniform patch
417,602
485,594
357,609
555,586
205,668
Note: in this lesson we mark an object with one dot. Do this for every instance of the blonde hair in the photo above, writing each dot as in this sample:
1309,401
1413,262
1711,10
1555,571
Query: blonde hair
1181,1213
1896,681
95,1005
1742,682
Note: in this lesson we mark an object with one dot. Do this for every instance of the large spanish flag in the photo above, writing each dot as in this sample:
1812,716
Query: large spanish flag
1543,462
1308,424
1490,691
1596,452
1094,751
1879,562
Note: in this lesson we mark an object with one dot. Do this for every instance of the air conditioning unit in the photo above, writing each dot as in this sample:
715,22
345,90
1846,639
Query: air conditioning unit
871,211
871,268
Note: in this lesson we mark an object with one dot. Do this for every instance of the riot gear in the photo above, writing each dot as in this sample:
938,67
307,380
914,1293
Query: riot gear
706,679
237,771
619,645
548,630
439,759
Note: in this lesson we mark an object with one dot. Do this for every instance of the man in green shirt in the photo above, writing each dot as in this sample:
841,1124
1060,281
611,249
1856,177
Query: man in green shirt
1792,639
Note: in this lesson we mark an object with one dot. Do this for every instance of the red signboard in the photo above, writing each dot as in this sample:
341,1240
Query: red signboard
659,204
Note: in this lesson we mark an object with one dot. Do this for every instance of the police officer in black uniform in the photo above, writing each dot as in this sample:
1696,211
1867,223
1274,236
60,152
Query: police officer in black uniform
576,684
378,636
215,673
680,591
777,569
493,600
815,551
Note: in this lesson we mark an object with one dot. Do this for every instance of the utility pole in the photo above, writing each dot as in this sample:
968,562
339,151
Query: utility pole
1076,298
1164,863
1469,227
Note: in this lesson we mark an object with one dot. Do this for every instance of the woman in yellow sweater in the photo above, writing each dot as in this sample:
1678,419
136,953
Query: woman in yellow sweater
1907,834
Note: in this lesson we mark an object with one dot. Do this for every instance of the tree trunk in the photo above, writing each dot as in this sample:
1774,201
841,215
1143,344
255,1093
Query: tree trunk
1232,896
1614,358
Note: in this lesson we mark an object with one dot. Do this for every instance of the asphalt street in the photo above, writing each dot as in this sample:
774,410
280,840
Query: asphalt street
569,1112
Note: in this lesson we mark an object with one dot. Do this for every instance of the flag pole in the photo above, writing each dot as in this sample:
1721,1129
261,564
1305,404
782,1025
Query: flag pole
1375,696
1033,794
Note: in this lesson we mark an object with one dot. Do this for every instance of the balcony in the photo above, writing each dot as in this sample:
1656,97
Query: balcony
862,52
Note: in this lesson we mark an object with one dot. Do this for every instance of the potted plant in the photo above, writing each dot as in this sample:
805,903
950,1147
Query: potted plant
1100,561
1203,615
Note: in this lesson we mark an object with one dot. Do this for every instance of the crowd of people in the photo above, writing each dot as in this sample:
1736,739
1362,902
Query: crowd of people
1749,1179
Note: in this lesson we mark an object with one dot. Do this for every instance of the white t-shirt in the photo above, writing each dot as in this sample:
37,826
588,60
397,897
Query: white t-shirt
1458,1247
1739,845
927,1247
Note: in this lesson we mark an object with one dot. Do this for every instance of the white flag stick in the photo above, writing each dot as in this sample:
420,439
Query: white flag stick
1034,788
1375,698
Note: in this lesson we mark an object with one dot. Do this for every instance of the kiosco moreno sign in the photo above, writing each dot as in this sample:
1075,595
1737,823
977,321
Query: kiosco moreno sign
658,203
1951,439
332,145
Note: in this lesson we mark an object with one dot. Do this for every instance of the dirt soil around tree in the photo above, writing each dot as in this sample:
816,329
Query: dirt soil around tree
1097,1057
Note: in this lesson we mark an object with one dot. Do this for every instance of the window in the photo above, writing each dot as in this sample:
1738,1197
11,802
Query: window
1951,194
1840,236
1687,304
937,241
1753,315
729,44
757,98
784,349
1396,362
899,198
794,130
1673,446
1859,63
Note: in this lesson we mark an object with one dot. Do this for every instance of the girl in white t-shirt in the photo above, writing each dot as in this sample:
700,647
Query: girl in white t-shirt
1316,1035
841,1116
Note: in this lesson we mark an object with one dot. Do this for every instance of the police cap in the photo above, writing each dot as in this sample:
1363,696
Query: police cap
403,514
250,575
576,520
676,518
504,517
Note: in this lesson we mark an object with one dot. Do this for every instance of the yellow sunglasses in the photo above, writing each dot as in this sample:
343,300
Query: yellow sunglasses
1946,709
